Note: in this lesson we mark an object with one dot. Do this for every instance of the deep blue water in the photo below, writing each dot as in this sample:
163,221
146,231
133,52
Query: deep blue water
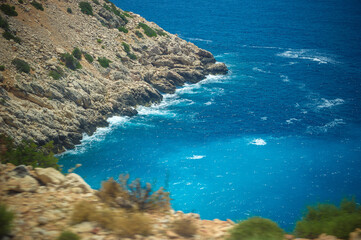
281,131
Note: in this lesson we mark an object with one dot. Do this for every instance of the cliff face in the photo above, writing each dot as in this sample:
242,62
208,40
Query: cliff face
36,106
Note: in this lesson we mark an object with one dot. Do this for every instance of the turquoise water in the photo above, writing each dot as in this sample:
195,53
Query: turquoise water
282,130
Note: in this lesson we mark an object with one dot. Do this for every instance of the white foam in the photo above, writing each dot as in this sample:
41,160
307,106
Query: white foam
292,120
200,40
326,127
284,78
258,142
264,118
307,54
330,103
256,69
196,157
262,47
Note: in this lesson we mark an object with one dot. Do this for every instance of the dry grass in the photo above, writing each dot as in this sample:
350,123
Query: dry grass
184,227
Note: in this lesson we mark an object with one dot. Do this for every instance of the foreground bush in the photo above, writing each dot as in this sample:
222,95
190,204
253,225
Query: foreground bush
6,219
27,153
330,219
184,227
86,8
133,195
256,228
70,61
67,235
8,10
21,65
123,223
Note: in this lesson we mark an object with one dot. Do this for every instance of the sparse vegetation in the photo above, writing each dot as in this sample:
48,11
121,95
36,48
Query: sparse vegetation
57,73
96,2
139,34
184,227
3,23
256,228
69,10
330,219
104,62
112,8
2,67
121,222
21,1
99,40
8,35
132,56
8,10
77,53
28,153
148,30
70,61
6,220
133,195
126,47
123,29
21,65
161,32
37,5
86,8
88,57
127,14
67,235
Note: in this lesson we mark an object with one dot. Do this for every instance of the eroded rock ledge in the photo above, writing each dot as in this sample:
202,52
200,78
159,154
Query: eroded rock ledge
36,106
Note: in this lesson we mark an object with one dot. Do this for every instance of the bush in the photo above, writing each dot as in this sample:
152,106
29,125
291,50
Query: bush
148,30
70,61
99,40
132,56
57,73
184,227
21,1
126,47
123,29
3,23
8,35
96,2
88,57
2,67
6,220
21,65
69,10
67,235
28,153
330,219
122,223
77,53
86,8
8,10
104,62
37,5
133,195
127,14
161,32
139,34
256,228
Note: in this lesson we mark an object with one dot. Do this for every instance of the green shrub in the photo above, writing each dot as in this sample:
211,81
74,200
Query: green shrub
37,5
96,2
8,10
132,56
3,23
28,153
2,67
184,227
330,219
99,40
21,65
256,228
161,32
8,35
67,235
88,57
21,1
127,14
104,62
69,10
77,53
126,47
123,29
86,8
70,61
139,34
57,73
148,30
6,219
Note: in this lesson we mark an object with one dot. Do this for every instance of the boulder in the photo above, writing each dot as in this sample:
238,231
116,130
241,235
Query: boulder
356,235
73,181
20,171
219,68
24,184
49,175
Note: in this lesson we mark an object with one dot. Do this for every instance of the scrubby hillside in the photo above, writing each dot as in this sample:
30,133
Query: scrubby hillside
69,65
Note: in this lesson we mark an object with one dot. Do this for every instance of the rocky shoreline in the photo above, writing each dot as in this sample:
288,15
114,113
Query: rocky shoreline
37,106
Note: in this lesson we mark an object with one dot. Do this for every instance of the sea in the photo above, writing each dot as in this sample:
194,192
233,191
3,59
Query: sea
279,132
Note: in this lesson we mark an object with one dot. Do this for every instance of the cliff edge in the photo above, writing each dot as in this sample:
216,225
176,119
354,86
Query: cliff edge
87,61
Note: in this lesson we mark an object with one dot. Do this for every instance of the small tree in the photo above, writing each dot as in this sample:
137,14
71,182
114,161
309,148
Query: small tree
77,53
21,65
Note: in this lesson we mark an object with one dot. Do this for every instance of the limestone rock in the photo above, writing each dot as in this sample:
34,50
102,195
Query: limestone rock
24,184
49,176
356,235
326,237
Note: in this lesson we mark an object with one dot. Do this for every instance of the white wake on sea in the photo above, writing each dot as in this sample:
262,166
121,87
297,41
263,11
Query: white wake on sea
307,54
258,142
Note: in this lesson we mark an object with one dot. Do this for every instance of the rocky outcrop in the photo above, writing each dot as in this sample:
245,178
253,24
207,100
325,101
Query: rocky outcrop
35,106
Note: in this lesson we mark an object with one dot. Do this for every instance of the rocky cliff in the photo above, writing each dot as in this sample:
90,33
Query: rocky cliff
124,61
